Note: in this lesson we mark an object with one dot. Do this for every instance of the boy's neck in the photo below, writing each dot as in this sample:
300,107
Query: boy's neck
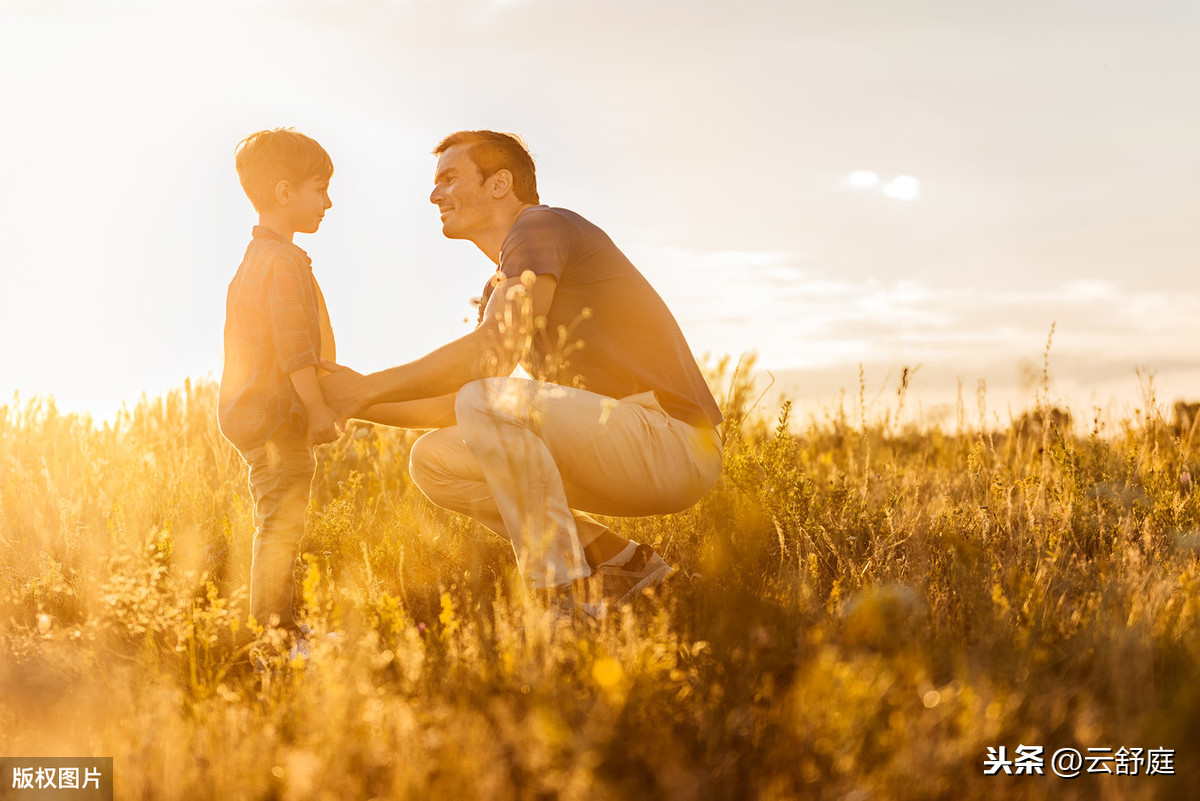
277,223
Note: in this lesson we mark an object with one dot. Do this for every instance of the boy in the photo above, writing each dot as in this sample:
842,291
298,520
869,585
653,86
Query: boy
277,332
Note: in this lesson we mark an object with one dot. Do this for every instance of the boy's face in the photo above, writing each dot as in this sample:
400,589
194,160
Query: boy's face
307,204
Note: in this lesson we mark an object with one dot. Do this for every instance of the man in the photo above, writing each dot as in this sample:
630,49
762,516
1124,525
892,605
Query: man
616,420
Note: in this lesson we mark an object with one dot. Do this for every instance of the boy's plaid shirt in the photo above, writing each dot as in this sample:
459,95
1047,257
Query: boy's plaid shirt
275,317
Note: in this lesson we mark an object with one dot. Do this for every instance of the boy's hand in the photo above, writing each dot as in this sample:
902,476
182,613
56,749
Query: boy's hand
341,391
324,425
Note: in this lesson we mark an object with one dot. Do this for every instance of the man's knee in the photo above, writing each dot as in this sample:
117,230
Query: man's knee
488,401
475,397
424,465
439,461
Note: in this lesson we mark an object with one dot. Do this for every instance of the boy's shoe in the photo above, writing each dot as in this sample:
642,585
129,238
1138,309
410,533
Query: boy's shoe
636,568
307,639
268,655
259,662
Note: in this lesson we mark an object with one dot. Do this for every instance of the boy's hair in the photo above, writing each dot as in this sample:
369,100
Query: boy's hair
492,152
265,158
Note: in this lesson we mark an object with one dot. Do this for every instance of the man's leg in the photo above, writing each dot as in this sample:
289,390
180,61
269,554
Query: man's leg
449,475
524,454
280,478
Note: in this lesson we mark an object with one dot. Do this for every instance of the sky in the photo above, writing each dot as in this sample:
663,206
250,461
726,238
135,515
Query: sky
823,184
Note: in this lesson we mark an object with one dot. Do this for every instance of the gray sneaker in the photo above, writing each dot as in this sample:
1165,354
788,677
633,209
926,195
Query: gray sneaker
645,569
575,600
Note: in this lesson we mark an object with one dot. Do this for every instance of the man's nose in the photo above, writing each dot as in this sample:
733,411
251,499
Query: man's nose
436,194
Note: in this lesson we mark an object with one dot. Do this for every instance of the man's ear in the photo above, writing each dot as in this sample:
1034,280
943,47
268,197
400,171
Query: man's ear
502,183
283,192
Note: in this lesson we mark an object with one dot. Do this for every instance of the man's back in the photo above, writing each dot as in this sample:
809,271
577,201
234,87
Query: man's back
607,330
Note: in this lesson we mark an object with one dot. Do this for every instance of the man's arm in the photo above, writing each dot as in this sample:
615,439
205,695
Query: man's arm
426,413
492,349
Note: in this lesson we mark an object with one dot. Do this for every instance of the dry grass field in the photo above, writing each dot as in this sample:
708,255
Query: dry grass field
863,610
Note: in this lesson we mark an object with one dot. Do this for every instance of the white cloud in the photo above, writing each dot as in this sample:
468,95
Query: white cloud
903,187
1089,290
793,314
863,179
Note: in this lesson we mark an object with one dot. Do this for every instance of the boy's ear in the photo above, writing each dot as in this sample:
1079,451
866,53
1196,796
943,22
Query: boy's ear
283,192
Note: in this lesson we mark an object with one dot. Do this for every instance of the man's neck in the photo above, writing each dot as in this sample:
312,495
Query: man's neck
491,241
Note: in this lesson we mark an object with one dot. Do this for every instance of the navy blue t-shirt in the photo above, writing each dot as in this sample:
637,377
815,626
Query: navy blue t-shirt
607,331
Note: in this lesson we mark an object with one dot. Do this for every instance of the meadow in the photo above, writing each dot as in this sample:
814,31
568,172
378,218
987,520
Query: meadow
864,609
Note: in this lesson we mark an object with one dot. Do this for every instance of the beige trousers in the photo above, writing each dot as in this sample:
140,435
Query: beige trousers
528,460
281,474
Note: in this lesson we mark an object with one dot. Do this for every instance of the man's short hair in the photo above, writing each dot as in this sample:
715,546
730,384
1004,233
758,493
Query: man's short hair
492,152
265,158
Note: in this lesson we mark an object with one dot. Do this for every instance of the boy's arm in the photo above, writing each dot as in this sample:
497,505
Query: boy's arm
288,298
324,424
426,413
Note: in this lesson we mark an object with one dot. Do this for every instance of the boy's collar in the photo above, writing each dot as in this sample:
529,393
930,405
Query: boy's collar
263,232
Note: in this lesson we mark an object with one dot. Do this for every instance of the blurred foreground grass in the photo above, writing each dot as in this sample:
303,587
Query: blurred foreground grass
866,609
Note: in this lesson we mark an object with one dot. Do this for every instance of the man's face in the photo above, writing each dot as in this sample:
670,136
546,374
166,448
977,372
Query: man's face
460,194
308,204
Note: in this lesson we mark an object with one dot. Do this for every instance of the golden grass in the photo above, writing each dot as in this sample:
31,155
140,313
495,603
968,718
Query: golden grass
871,609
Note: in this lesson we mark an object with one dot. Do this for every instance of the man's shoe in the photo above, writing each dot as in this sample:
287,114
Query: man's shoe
575,600
643,569
300,651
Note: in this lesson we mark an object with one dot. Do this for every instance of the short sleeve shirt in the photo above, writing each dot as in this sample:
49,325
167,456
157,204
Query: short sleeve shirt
607,330
275,318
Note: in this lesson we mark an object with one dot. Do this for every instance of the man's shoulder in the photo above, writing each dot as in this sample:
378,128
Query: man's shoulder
553,221
552,215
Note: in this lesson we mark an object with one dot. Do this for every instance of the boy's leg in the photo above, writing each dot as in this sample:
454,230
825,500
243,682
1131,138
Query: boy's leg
280,478
525,454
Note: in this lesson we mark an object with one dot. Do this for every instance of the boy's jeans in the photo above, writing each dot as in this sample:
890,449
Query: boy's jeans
527,456
281,474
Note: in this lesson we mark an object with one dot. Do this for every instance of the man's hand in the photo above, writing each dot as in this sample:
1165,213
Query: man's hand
324,425
326,367
343,390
